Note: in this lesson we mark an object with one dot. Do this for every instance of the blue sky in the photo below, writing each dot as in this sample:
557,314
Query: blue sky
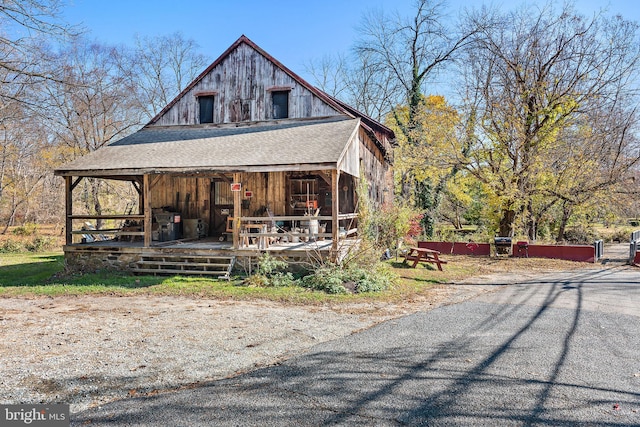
293,31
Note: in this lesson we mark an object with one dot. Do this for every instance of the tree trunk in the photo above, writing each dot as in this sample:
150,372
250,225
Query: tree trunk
566,214
532,230
506,223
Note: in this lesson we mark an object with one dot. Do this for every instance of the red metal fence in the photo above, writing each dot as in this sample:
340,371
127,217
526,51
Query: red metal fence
582,253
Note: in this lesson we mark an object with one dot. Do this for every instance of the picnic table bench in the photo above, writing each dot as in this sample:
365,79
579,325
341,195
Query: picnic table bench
423,255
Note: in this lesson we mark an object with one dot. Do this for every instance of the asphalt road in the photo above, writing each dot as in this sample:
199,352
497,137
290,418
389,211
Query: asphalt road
562,350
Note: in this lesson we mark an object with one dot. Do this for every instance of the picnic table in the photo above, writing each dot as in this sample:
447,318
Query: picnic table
423,255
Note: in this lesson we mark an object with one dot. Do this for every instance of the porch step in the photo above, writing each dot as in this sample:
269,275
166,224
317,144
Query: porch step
183,264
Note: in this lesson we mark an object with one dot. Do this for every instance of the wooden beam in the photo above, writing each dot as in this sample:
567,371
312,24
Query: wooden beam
326,176
155,180
237,211
146,194
141,198
76,182
335,213
136,184
68,208
123,216
223,177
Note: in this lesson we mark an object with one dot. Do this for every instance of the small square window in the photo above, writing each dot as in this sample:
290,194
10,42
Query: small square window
206,109
280,101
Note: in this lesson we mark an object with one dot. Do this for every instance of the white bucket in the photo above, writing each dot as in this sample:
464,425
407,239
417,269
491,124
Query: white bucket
313,227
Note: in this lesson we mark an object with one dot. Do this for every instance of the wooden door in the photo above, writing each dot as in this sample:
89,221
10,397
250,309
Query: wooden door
221,206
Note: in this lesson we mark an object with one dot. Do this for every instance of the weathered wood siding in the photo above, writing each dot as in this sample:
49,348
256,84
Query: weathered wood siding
376,169
350,162
187,195
269,191
191,196
242,85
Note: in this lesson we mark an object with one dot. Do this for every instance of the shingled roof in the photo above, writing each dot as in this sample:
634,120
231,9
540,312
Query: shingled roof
208,148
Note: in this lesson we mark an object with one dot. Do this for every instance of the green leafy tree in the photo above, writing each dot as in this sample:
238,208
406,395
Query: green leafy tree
428,155
533,77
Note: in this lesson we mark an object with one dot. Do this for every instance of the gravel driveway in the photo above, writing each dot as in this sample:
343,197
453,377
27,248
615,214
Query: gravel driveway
89,350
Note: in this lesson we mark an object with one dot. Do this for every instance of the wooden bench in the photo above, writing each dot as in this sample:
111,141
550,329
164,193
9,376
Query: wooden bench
423,255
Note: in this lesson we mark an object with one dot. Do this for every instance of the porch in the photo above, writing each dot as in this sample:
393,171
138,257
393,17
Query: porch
203,256
288,188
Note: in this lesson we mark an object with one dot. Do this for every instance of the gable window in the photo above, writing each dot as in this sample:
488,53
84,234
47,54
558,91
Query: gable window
280,100
206,108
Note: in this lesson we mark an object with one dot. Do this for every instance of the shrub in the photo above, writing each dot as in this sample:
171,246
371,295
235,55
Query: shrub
391,224
580,235
270,272
327,278
40,244
25,230
380,279
11,246
618,235
337,279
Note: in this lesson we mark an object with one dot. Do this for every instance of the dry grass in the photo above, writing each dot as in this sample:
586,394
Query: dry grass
462,267
487,265
23,236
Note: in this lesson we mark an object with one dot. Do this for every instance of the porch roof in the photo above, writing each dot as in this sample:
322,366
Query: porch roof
268,146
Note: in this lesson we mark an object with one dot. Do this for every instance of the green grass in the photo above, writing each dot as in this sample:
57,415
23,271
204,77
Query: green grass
31,275
27,269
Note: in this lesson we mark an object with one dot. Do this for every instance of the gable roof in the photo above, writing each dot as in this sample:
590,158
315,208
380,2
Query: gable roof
372,125
294,144
245,40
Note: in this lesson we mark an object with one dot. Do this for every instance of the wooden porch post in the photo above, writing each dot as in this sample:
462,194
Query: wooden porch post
140,189
68,209
237,212
146,197
335,211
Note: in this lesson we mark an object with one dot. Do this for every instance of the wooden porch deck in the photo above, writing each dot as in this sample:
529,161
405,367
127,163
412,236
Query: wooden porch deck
207,244
188,257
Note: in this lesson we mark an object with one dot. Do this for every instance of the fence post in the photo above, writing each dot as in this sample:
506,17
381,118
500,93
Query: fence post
633,245
599,247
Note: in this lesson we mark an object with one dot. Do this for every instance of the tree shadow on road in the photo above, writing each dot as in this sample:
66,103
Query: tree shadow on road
521,362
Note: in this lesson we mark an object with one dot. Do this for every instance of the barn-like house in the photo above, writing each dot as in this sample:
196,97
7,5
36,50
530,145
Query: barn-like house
249,157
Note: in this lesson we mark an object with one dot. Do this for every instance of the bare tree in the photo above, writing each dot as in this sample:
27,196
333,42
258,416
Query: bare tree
370,88
160,67
329,74
357,81
93,105
25,25
23,165
410,52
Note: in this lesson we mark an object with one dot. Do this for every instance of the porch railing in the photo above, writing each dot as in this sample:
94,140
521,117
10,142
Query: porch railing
88,230
300,227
